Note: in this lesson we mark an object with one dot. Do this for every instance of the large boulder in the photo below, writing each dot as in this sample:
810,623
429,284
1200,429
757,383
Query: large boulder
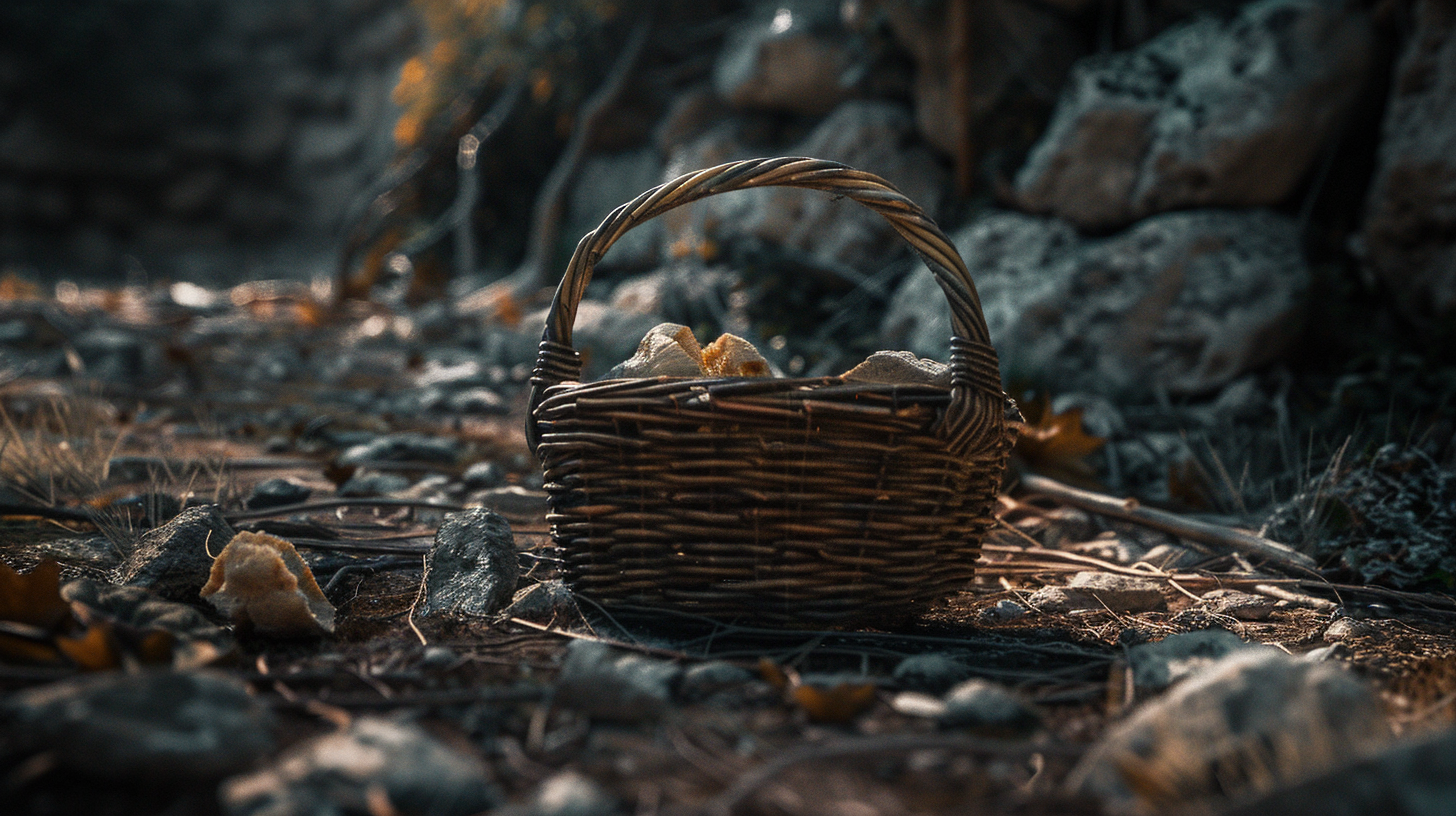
1209,113
1184,302
786,56
1410,226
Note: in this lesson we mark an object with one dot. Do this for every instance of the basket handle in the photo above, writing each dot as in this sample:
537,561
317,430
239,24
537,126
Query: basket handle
977,401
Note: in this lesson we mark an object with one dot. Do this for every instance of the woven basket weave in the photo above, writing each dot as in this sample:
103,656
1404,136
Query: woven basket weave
784,501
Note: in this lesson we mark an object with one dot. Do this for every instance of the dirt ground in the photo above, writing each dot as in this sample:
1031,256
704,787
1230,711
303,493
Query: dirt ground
753,747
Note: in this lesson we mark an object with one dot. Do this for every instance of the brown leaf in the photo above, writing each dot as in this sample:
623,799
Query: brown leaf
260,582
1055,444
835,704
34,597
93,650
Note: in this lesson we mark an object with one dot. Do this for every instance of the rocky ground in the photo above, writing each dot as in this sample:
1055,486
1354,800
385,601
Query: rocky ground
281,546
437,665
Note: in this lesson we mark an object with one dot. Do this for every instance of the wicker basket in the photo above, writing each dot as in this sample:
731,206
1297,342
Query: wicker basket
785,501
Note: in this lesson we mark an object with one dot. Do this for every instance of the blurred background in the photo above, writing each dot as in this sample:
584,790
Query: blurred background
1239,215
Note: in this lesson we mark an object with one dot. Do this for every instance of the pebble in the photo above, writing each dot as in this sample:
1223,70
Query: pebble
162,726
1254,708
372,483
604,684
1004,610
707,679
1239,605
276,493
1158,665
334,773
472,568
401,447
1347,628
173,560
932,673
1099,591
569,793
482,475
988,708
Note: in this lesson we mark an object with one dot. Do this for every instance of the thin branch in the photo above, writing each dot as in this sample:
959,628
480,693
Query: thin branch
334,504
1218,535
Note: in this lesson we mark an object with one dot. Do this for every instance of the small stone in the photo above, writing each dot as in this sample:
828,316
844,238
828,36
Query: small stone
988,708
371,483
159,726
276,493
1255,708
932,673
606,685
199,640
173,560
1003,611
778,59
706,679
1158,665
918,704
477,400
1100,590
472,567
334,774
483,475
1122,593
438,657
543,602
1239,605
401,447
1348,628
569,793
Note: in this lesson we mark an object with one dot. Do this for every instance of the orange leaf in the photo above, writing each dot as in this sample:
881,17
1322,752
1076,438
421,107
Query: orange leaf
35,597
835,704
1055,444
93,650
772,674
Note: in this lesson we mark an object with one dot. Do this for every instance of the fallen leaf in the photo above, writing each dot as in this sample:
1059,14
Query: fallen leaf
260,582
34,597
93,650
839,703
1055,445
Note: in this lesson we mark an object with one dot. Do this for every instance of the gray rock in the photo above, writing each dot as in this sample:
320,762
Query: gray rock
199,640
1258,709
173,560
114,355
156,726
1239,605
402,447
784,56
932,673
373,483
1172,557
704,680
1416,777
1004,610
607,685
472,567
483,475
276,493
1156,666
332,774
1185,302
1410,219
986,707
1346,629
477,400
1209,113
1101,590
569,793
545,601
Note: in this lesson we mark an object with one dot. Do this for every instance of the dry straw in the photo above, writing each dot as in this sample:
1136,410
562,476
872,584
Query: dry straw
788,501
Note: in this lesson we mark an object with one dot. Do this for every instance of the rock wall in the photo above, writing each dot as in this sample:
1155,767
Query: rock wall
155,129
